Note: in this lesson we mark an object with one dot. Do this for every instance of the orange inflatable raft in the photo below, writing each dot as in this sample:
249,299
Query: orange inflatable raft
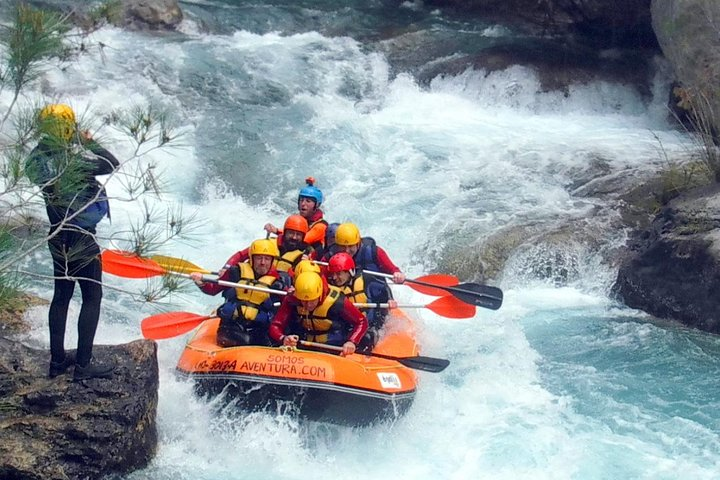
353,390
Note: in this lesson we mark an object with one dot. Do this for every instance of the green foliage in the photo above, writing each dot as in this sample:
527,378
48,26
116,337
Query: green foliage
10,283
33,36
703,121
677,179
146,125
99,15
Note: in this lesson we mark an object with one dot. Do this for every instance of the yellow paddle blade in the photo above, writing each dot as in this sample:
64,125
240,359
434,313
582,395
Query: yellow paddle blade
178,265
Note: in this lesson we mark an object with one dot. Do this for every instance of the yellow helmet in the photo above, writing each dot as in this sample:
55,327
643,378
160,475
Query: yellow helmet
264,247
306,266
308,286
58,120
347,234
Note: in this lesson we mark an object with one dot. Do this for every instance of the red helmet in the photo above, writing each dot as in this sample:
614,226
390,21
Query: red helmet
296,222
341,262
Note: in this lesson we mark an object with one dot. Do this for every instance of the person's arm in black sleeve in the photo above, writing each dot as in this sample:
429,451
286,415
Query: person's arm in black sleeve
103,161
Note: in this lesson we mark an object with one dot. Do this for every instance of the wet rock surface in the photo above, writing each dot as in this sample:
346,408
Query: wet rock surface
59,429
153,14
673,270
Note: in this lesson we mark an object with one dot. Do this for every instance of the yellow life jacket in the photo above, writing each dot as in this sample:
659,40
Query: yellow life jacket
288,260
355,291
316,323
249,301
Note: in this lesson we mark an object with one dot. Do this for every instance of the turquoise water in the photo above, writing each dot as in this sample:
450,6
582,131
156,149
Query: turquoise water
561,383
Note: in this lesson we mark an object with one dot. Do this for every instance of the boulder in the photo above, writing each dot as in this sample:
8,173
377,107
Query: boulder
689,35
153,14
605,23
673,267
59,429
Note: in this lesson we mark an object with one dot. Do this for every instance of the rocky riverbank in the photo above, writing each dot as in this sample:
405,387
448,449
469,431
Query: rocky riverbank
670,268
59,429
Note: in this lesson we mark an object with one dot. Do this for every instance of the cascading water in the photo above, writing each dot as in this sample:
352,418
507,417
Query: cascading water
559,383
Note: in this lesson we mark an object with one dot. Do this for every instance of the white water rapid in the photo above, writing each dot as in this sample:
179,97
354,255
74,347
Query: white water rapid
560,383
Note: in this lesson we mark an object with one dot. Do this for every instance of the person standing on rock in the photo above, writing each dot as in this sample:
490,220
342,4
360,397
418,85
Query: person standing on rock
64,165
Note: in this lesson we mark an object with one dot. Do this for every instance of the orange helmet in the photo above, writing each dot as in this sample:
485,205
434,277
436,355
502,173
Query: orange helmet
347,234
296,222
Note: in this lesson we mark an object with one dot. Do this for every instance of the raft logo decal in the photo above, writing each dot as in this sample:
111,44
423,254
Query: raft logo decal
389,380
284,365
217,365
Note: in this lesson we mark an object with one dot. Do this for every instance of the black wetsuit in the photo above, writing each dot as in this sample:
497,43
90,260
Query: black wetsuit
73,248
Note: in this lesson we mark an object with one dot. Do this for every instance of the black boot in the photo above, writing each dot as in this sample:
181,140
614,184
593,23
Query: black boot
93,369
58,368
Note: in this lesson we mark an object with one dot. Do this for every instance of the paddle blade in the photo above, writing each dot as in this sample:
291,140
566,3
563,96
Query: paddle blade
435,279
426,364
179,265
129,265
170,324
451,307
479,295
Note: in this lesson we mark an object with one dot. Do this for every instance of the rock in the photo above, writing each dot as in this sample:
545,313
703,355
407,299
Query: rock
11,315
687,31
58,429
603,23
558,67
673,270
153,14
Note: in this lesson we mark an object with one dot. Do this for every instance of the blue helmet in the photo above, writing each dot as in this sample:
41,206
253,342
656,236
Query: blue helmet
311,191
330,234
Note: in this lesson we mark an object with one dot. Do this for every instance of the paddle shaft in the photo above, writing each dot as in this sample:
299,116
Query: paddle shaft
225,283
408,280
387,305
453,289
427,364
469,296
334,348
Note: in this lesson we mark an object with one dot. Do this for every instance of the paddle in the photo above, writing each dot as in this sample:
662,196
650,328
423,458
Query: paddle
473,293
427,364
430,284
478,294
178,264
170,324
436,284
448,307
436,279
129,265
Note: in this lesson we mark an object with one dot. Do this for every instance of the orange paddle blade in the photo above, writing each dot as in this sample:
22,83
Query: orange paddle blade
439,279
451,307
170,324
129,265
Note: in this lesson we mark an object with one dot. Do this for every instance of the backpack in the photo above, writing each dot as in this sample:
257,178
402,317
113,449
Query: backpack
93,213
